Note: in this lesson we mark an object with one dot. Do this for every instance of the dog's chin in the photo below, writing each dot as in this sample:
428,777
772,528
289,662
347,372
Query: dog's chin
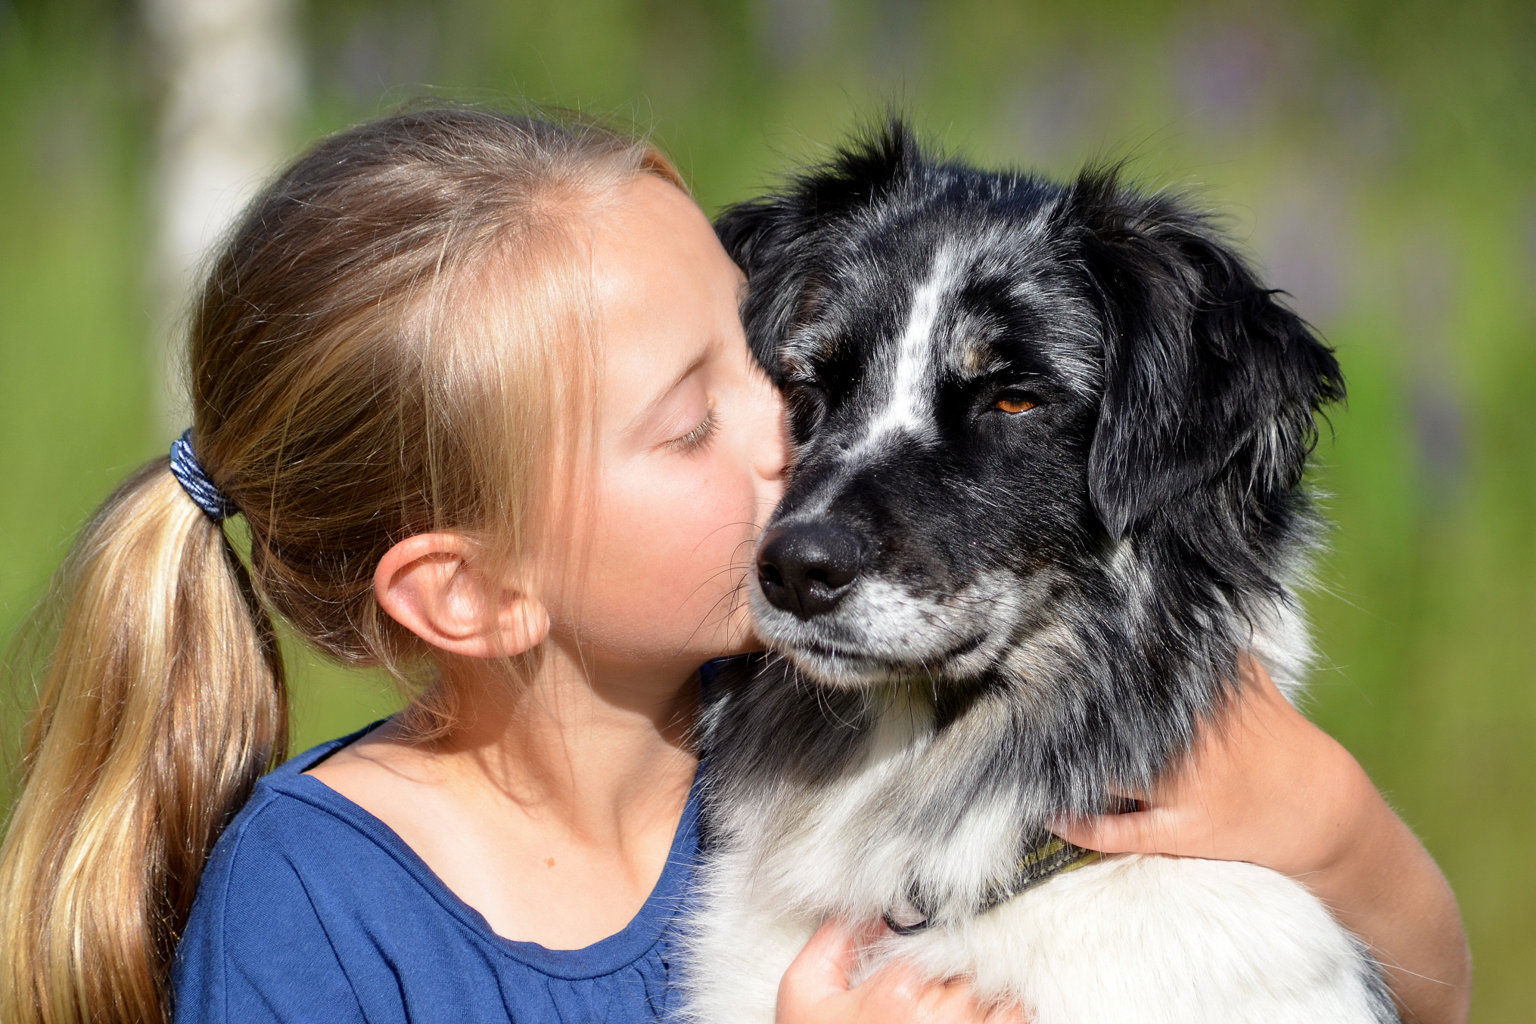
846,670
850,665
829,663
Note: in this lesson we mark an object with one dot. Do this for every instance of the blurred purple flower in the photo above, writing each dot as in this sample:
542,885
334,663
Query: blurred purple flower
1435,403
1366,124
788,31
1059,106
1227,72
1307,241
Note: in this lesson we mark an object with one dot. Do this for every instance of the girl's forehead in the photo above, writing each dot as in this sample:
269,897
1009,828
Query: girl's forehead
660,277
654,216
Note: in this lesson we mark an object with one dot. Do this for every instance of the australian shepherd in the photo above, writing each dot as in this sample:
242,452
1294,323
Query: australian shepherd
1047,486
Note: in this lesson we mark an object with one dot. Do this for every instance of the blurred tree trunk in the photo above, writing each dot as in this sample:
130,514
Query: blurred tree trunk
230,77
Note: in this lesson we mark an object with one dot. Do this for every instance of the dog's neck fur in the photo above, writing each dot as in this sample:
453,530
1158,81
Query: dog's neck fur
851,801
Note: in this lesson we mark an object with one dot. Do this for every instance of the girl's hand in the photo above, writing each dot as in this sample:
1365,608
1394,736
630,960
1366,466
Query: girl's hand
1261,784
1265,785
817,988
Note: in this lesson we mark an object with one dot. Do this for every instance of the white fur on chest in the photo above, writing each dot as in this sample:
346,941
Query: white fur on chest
1150,940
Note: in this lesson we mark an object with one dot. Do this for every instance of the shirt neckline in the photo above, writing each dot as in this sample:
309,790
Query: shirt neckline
603,957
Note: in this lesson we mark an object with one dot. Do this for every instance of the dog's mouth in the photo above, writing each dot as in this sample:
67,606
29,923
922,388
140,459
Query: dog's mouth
835,666
841,665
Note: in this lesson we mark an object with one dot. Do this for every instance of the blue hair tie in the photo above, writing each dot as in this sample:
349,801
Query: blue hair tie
194,480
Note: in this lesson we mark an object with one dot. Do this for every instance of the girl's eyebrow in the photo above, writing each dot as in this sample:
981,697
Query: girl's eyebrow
644,415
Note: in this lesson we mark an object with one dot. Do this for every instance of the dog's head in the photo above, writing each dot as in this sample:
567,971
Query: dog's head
1006,392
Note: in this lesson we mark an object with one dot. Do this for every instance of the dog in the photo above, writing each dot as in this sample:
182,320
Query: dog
1047,485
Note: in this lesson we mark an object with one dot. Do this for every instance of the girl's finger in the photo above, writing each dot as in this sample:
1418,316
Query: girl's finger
1131,796
899,991
956,1003
1133,832
825,966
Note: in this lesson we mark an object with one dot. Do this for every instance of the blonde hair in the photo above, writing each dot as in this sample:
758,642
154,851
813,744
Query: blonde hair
393,340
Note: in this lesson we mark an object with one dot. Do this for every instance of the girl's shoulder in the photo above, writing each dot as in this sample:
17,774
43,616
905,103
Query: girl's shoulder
259,930
292,812
312,908
291,823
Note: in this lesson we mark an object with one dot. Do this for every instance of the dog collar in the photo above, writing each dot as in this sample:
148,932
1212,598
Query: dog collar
1042,862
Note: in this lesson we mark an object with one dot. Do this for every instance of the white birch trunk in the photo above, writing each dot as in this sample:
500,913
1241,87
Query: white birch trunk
230,81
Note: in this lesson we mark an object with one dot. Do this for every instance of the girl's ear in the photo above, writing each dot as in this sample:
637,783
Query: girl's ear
431,585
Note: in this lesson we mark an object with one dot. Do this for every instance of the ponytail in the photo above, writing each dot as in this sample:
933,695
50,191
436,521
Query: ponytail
160,700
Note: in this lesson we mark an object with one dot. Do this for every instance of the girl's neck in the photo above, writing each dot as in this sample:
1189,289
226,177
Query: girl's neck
600,749
551,805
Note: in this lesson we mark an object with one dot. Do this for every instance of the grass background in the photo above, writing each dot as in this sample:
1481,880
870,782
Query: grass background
1377,159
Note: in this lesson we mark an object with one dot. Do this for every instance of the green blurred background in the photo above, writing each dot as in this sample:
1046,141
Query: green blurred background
1377,159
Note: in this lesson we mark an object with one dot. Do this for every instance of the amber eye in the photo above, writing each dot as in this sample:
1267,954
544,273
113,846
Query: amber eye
1014,404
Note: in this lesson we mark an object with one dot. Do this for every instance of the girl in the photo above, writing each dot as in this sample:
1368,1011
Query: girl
476,385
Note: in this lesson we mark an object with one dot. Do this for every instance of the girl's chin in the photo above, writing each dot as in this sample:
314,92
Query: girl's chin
738,635
743,645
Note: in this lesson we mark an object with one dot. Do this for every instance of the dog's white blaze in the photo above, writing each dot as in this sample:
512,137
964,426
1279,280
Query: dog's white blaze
907,408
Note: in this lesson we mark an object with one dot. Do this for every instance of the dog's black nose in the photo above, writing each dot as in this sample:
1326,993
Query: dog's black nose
806,568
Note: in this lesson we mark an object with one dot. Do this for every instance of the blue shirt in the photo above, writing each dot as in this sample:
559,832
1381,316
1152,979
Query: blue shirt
312,909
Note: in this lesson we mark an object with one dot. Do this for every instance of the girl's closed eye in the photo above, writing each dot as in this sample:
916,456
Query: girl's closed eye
699,436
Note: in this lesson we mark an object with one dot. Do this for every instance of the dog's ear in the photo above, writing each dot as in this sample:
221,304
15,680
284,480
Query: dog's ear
1208,376
783,240
769,240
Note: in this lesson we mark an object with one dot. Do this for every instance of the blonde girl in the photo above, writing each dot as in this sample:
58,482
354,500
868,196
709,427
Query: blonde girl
475,386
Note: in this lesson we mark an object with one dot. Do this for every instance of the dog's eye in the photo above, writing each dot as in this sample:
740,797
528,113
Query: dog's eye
1015,402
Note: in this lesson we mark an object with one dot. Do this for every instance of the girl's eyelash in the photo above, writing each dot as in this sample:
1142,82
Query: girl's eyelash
699,435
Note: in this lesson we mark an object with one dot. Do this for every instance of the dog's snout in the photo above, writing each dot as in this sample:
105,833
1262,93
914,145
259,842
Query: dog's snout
806,568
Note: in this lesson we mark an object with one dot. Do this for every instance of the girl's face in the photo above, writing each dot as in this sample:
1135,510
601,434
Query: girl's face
691,449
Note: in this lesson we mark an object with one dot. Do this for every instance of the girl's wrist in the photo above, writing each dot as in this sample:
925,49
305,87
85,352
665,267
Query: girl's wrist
1352,817
1381,884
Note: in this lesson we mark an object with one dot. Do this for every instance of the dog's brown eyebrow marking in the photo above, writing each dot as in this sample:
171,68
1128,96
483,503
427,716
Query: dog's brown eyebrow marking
808,351
975,359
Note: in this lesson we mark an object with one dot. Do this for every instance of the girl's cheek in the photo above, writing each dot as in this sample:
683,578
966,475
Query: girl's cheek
691,518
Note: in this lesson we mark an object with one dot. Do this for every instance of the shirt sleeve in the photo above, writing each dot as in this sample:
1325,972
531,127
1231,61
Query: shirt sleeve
256,948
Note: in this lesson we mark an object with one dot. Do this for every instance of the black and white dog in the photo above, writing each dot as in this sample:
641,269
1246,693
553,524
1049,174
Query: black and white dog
1047,485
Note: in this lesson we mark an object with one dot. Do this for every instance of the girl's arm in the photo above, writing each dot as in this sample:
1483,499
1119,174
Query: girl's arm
1263,784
